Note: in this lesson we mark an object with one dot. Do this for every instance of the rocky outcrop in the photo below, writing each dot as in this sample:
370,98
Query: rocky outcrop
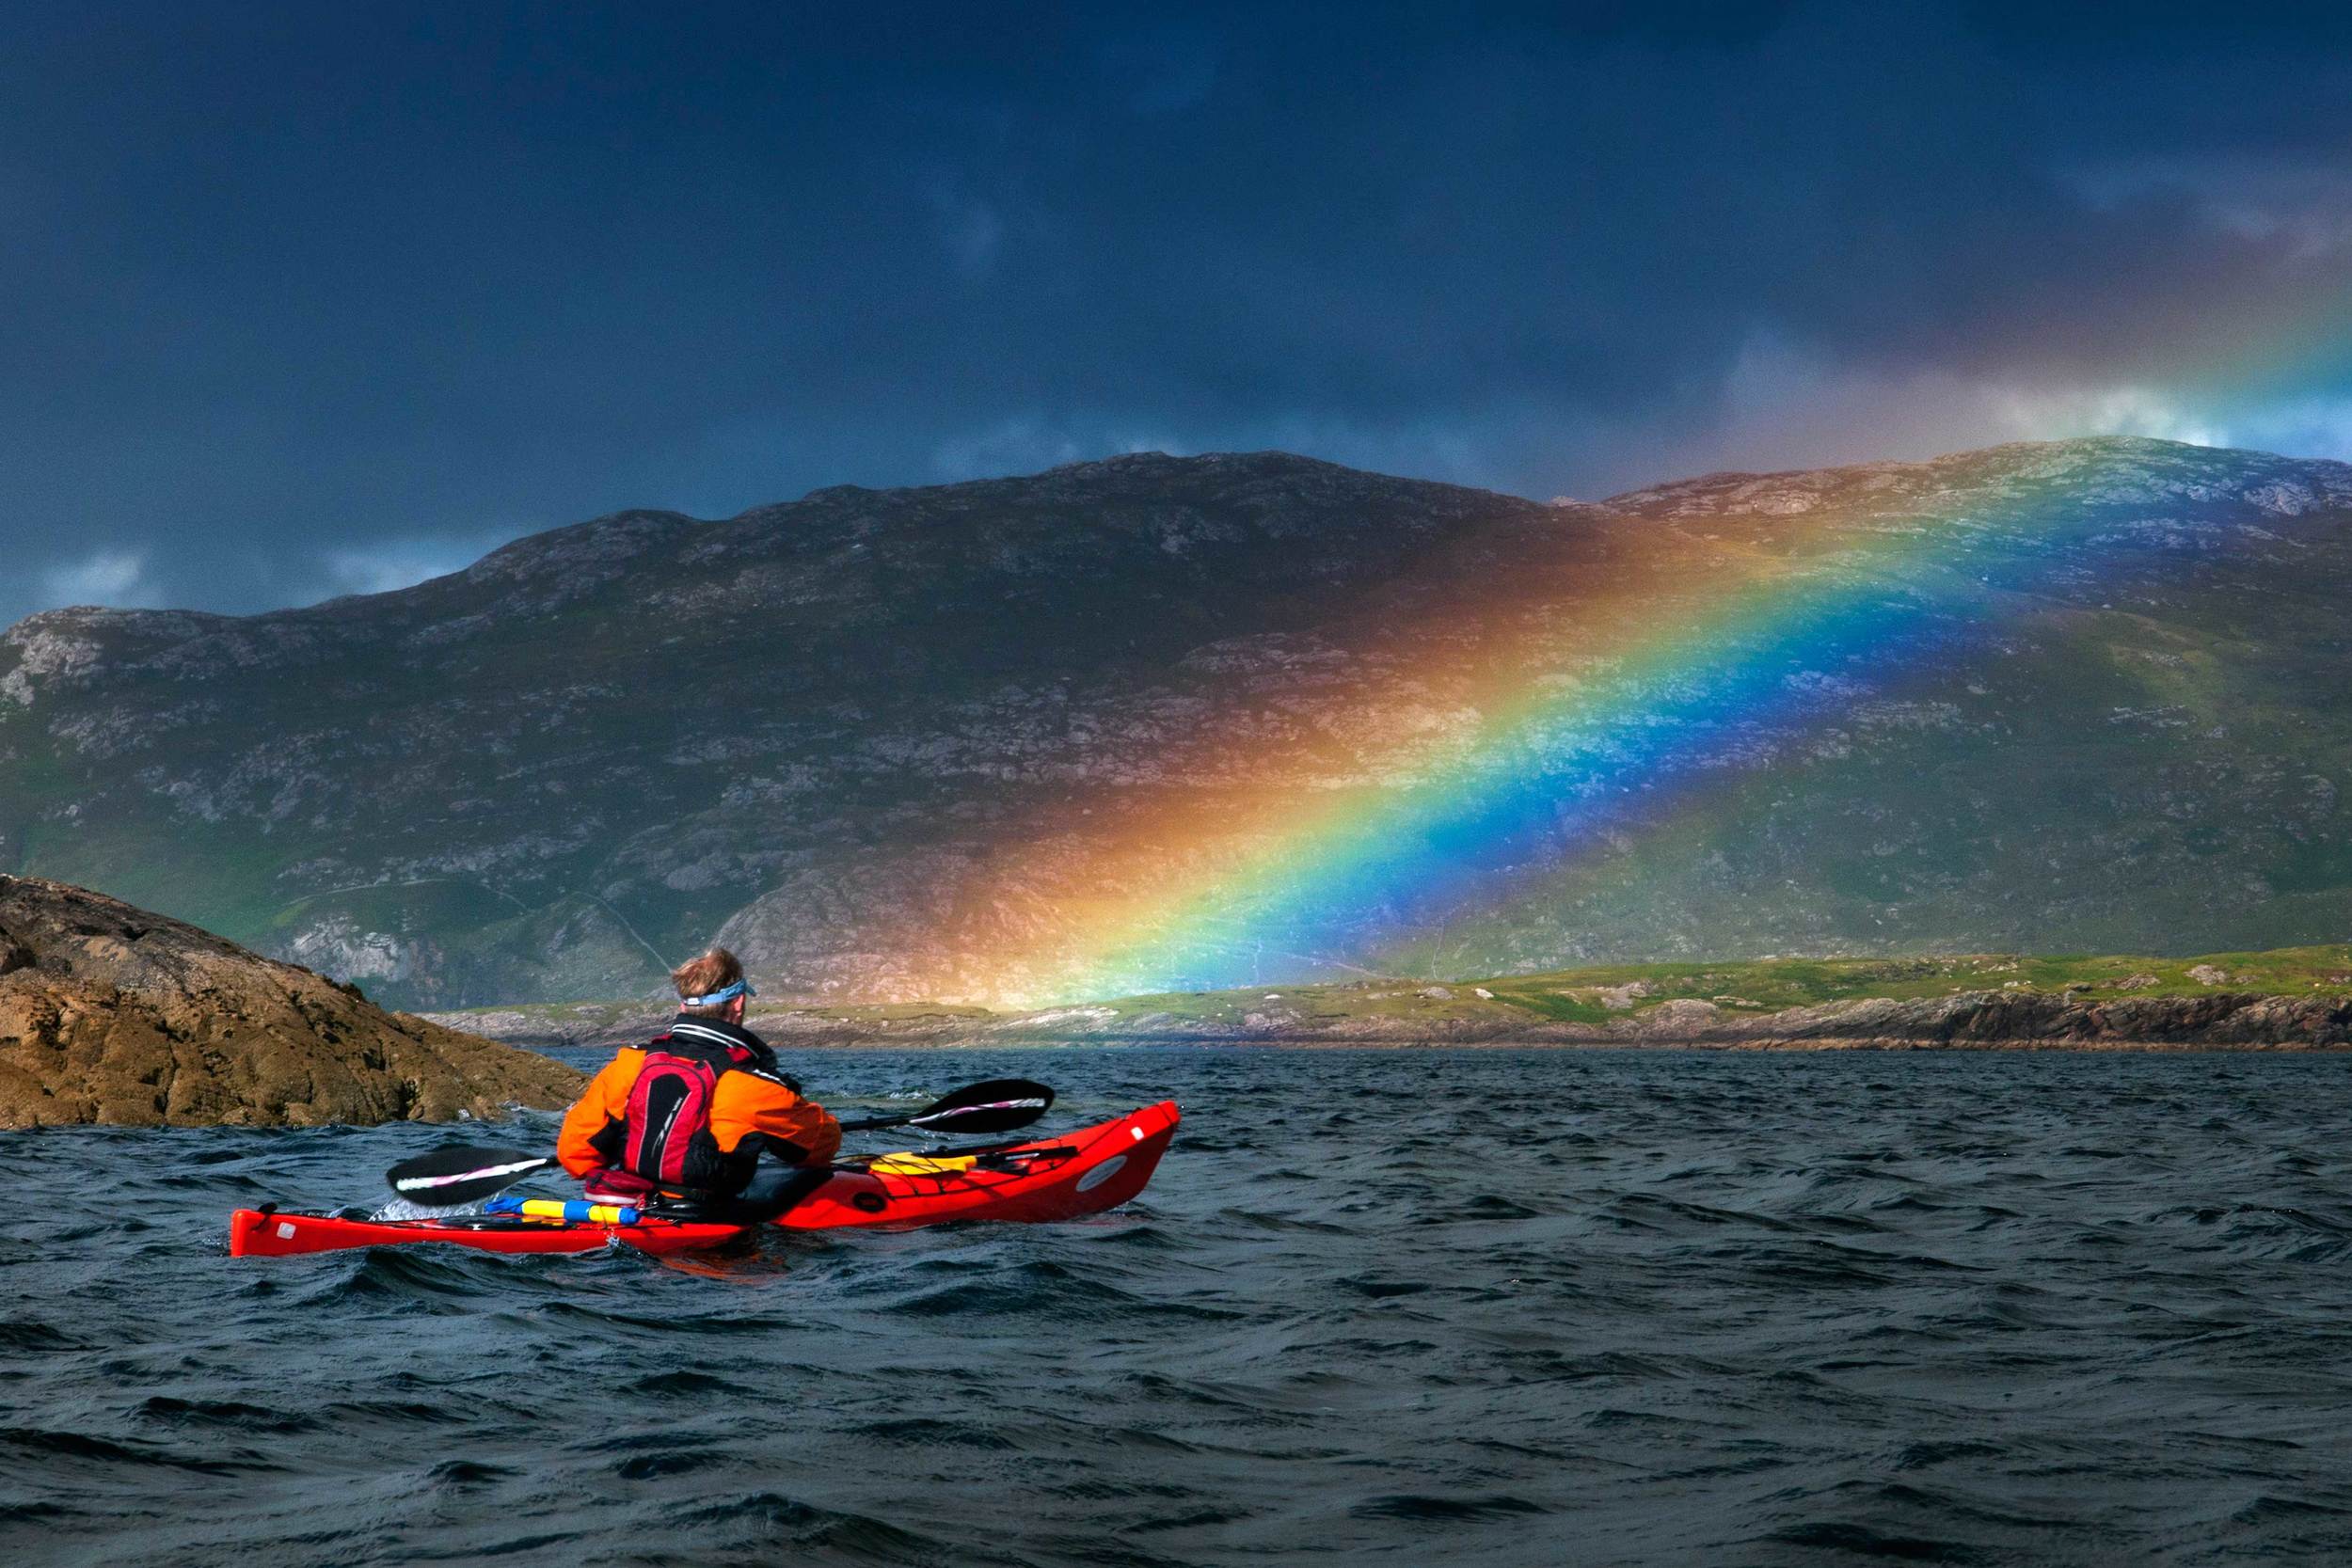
110,1014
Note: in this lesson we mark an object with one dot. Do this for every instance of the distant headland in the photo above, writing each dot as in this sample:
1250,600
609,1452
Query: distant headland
2284,999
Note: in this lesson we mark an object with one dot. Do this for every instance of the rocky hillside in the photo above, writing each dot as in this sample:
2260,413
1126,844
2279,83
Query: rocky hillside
913,743
110,1014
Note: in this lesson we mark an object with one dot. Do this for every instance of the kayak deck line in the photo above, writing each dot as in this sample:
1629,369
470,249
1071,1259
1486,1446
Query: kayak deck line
1059,1178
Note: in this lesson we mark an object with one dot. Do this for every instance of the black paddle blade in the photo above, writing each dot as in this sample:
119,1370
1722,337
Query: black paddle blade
998,1105
456,1173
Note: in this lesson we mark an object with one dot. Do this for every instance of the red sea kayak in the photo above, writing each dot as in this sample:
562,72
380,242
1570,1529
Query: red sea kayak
1059,1178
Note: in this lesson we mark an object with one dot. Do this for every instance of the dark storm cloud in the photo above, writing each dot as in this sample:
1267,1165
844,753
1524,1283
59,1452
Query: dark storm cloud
315,299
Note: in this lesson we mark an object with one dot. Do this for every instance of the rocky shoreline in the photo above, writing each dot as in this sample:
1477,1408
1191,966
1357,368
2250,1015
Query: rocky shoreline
111,1015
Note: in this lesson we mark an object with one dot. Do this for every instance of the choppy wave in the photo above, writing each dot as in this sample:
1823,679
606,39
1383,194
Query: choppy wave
1484,1307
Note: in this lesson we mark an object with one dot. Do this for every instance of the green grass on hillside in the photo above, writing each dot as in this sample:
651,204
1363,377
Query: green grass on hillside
1773,984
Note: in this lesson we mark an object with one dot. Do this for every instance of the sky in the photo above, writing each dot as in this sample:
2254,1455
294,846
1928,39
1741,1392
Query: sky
304,300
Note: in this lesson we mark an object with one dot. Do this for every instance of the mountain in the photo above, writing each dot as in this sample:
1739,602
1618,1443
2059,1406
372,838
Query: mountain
1156,721
112,1014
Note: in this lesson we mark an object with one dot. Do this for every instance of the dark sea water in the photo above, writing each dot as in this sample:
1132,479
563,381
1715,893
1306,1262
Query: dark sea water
1459,1306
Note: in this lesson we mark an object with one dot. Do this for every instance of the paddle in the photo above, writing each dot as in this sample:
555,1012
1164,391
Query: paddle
454,1173
457,1174
998,1105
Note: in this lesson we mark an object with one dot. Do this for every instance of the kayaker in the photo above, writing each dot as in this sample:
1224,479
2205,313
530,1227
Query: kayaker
691,1113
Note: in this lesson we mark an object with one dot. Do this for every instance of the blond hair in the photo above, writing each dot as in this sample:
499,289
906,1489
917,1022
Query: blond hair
715,969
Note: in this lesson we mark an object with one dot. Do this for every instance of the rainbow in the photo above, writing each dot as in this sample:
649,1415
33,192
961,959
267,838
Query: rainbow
1595,706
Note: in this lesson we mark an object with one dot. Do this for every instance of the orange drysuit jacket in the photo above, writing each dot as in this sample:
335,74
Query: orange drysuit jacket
747,1102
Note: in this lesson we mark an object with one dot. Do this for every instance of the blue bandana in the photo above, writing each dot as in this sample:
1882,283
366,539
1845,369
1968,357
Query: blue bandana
724,993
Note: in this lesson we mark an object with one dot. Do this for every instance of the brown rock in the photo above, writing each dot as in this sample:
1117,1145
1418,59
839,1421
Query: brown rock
110,1014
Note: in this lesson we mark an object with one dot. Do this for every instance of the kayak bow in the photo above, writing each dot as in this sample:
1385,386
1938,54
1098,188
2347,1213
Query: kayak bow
1060,1178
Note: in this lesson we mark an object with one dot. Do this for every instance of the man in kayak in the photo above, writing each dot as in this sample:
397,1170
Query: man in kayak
691,1113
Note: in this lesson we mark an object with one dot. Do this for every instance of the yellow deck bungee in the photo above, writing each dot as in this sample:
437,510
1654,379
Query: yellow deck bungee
921,1164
